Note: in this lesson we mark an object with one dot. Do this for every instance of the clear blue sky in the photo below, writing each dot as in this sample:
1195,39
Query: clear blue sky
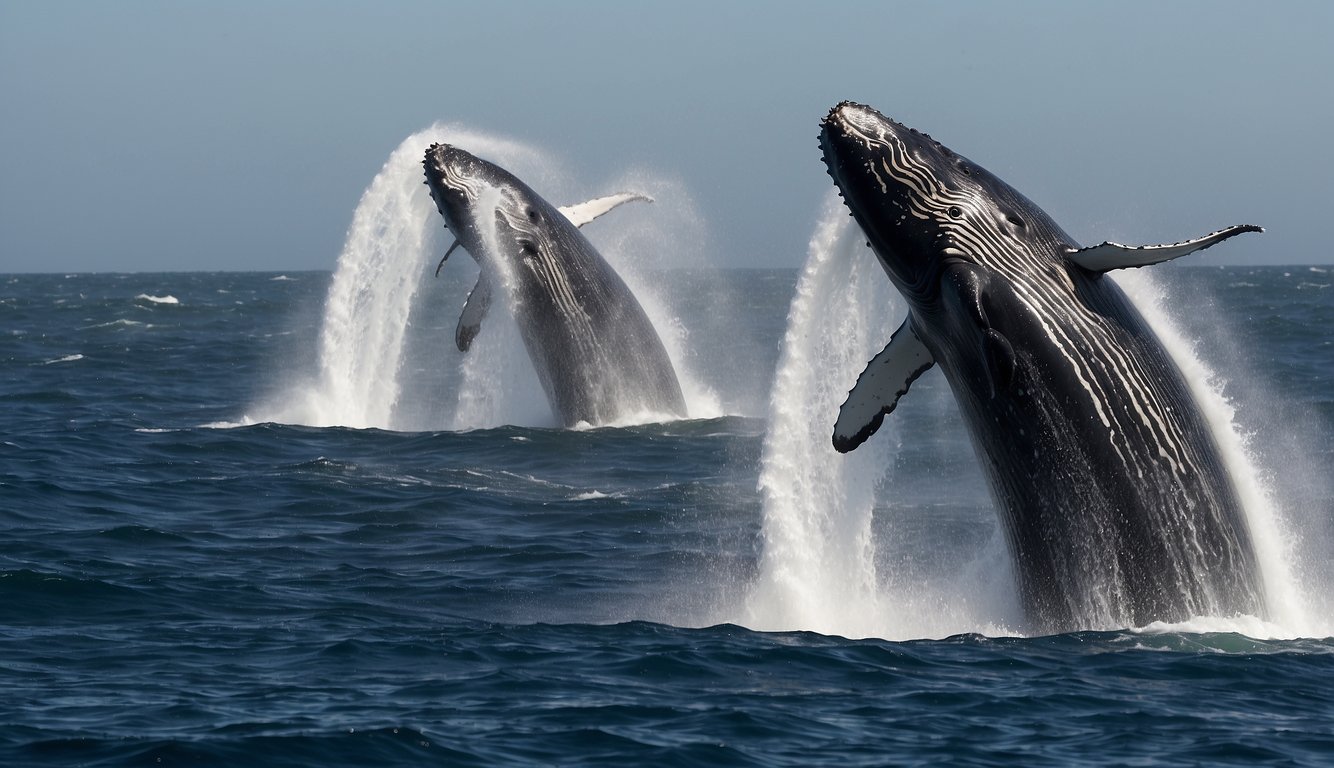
188,135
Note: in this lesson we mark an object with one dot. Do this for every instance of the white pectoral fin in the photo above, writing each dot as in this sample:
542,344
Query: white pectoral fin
583,213
877,391
1109,256
474,309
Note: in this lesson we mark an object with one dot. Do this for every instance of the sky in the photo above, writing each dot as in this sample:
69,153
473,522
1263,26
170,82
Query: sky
182,135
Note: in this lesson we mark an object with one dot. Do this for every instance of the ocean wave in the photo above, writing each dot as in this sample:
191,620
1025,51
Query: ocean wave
119,322
1250,626
168,299
590,496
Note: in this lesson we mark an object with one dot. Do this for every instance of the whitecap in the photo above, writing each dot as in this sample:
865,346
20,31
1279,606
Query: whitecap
1250,626
65,359
635,419
168,299
122,321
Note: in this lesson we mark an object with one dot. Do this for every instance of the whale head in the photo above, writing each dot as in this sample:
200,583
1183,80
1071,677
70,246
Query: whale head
920,204
457,179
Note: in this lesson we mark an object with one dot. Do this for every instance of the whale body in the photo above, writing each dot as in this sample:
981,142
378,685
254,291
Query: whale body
1116,504
596,353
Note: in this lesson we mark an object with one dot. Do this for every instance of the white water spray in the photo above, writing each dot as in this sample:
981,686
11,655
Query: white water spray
819,570
382,285
1289,607
822,568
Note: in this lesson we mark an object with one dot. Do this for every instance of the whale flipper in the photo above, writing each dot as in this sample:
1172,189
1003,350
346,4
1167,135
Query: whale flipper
583,213
877,391
474,309
445,258
1109,256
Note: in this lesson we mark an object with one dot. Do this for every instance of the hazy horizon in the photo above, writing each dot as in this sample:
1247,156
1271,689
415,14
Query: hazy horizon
158,136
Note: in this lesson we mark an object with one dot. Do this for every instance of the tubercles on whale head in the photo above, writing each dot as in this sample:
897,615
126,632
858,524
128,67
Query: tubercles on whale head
455,178
918,202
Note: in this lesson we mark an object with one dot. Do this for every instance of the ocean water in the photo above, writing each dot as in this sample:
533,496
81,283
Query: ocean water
184,581
278,519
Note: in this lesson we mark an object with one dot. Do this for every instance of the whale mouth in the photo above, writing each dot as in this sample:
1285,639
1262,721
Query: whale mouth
885,173
452,176
850,135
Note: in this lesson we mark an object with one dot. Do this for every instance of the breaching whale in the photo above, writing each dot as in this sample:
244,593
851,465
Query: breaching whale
596,353
1112,493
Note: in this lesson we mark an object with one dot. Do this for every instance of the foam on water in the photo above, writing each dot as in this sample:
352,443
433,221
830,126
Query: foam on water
366,375
1251,626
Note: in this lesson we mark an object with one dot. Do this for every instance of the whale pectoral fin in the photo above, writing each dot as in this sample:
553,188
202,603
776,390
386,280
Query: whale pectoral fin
1109,256
474,309
583,213
999,355
877,391
445,258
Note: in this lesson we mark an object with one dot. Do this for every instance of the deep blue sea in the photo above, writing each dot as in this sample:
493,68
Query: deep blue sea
184,581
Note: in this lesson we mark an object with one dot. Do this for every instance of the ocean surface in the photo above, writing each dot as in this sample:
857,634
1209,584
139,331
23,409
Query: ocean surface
194,571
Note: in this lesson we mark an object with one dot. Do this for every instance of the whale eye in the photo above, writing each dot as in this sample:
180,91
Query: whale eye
1015,220
955,212
532,214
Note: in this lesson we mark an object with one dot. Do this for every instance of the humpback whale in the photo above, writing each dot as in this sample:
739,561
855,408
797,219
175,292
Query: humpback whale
597,356
1115,503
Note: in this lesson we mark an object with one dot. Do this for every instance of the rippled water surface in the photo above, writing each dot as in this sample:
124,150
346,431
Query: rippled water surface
185,582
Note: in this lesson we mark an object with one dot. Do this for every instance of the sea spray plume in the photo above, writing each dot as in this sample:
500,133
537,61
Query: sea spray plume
1278,528
834,558
1117,506
595,351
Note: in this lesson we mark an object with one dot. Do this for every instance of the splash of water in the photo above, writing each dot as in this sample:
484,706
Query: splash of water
371,371
819,567
1288,604
822,567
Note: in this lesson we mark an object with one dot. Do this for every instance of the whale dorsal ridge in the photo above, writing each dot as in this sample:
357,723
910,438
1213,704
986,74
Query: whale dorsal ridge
583,213
1109,256
877,391
474,309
